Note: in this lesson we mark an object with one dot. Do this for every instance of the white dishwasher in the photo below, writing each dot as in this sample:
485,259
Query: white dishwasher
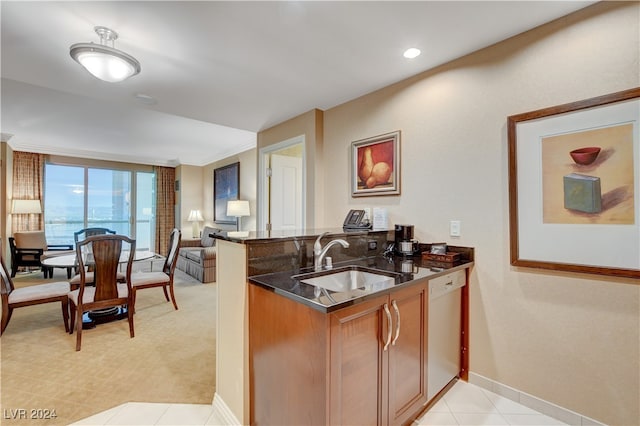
445,299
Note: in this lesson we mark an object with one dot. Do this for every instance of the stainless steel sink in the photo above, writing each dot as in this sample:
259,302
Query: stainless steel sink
349,278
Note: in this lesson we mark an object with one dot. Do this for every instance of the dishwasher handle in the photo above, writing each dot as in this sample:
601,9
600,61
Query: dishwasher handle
441,288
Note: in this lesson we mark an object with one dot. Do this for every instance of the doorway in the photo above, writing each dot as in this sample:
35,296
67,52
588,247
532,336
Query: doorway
282,185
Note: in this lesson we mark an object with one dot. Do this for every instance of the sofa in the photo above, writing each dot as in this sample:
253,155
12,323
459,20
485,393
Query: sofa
197,257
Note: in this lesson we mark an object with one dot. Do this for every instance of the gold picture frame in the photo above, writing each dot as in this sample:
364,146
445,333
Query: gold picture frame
375,165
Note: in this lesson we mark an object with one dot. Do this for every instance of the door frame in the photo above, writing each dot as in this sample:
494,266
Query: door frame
264,194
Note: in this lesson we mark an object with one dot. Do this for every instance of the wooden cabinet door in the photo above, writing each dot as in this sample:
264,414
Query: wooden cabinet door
408,353
358,378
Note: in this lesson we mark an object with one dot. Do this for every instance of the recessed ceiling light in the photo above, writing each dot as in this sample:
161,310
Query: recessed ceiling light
145,99
411,53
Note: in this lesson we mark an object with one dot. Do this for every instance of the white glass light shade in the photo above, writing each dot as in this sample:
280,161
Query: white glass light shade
104,62
26,206
195,216
238,208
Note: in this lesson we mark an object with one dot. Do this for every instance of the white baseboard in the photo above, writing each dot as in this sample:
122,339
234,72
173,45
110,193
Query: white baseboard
535,403
223,412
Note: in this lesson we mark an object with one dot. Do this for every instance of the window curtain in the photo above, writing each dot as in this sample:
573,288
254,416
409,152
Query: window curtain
28,183
165,207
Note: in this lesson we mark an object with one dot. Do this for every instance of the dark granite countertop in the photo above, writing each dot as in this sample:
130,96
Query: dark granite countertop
270,236
289,285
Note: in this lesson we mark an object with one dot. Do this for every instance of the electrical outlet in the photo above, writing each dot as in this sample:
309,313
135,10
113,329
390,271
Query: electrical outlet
454,228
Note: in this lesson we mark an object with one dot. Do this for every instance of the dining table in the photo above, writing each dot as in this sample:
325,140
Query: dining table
70,261
92,318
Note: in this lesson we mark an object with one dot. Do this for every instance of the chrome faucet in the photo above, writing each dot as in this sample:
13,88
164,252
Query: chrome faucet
319,252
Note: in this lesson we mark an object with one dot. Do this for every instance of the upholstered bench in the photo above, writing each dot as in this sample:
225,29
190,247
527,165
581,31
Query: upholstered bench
197,257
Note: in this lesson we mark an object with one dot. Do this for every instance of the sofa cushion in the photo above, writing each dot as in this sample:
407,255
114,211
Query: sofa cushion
206,240
184,251
198,255
195,255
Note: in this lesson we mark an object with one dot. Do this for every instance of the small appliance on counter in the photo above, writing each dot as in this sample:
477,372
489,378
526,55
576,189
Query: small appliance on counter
405,245
439,253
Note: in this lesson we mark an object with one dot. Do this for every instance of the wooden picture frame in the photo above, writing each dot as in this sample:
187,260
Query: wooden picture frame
375,165
574,196
226,187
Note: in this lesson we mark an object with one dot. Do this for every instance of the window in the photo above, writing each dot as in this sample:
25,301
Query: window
64,210
77,197
109,200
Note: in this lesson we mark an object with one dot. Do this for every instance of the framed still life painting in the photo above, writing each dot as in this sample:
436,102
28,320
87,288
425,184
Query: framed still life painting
574,182
375,165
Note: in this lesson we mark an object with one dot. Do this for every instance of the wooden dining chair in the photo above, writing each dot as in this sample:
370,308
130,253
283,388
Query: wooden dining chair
164,278
32,295
90,232
103,253
80,236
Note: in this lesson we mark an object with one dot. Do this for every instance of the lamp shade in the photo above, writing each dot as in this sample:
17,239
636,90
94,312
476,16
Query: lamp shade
238,208
195,216
26,206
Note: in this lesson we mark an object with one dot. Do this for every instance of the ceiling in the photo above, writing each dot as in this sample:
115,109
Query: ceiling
219,72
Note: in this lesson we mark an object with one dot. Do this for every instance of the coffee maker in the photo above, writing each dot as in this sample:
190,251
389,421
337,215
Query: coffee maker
404,243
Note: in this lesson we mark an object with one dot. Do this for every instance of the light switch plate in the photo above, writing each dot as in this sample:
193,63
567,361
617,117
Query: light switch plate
454,228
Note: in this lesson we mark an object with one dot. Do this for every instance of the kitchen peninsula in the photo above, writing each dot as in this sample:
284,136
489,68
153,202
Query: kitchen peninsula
289,352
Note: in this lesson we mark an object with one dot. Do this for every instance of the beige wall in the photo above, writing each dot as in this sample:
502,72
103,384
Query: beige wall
567,338
189,197
309,125
6,182
248,184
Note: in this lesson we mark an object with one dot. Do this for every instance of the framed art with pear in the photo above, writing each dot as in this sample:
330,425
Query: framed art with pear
574,186
375,165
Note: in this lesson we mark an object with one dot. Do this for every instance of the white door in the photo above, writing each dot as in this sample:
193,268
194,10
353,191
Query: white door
286,192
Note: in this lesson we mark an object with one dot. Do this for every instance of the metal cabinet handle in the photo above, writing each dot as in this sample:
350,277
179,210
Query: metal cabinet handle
395,306
389,324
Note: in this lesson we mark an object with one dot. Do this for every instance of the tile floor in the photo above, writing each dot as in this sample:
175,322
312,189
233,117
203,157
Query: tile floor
464,404
467,404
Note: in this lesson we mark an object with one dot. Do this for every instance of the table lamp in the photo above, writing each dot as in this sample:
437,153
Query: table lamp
26,207
238,208
195,217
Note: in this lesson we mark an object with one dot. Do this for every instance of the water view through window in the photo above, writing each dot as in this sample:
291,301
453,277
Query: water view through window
78,197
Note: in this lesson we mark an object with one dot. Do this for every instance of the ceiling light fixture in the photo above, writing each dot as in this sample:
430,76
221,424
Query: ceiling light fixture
411,53
105,62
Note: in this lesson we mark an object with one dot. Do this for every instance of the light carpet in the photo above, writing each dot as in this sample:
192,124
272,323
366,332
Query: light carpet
170,359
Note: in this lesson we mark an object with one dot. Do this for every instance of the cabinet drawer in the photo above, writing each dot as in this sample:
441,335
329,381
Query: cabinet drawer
446,282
